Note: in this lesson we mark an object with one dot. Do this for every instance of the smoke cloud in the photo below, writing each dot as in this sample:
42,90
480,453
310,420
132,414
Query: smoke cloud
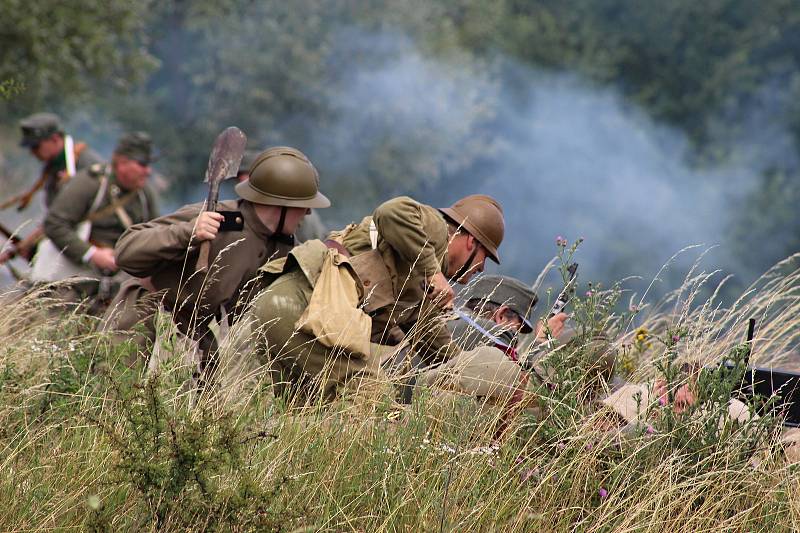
564,157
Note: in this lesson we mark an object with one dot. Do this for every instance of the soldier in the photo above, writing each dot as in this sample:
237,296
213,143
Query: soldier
400,259
43,134
105,200
496,312
281,188
625,411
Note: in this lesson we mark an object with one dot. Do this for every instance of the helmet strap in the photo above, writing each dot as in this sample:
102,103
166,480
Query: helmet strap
281,221
466,266
279,235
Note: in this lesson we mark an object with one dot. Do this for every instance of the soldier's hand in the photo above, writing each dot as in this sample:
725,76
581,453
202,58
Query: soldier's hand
8,254
25,250
207,226
103,259
555,325
441,291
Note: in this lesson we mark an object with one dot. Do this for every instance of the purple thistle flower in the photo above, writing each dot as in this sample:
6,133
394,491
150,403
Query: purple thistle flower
676,338
603,493
650,430
662,401
589,294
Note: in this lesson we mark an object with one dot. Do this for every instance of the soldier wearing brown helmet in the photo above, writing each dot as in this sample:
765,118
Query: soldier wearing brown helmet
282,186
401,259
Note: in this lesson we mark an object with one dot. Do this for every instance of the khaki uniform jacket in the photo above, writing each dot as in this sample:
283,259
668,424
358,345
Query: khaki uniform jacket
412,244
161,251
84,159
73,205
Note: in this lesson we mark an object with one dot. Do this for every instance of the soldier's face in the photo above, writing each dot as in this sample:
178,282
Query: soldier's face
294,216
684,397
48,148
270,215
459,250
507,318
131,174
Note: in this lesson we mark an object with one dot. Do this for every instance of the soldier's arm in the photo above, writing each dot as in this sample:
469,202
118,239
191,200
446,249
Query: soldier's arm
145,249
401,224
69,208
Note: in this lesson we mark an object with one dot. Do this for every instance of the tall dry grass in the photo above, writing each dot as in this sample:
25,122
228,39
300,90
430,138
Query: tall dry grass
88,443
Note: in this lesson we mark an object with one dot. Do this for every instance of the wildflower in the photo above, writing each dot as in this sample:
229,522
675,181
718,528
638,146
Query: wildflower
589,445
589,294
662,401
93,502
650,430
603,493
633,308
527,475
676,338
642,339
561,446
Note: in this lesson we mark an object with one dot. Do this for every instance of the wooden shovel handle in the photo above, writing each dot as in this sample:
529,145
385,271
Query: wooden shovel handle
202,259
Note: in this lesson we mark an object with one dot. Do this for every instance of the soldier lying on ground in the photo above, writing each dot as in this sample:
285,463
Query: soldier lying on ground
490,369
110,199
634,406
501,306
395,283
43,134
282,187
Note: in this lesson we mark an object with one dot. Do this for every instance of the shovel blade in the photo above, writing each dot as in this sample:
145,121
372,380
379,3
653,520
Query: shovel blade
226,155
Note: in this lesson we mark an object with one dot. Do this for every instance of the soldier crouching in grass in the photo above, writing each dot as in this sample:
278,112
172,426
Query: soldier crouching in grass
87,217
282,187
333,312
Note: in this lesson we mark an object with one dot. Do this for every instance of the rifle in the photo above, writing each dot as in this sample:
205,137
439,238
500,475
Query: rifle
780,388
22,200
22,247
71,151
568,291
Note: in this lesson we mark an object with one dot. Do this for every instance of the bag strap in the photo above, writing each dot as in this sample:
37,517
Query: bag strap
116,206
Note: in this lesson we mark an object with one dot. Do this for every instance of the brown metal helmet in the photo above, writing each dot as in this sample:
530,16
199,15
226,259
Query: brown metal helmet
482,217
283,176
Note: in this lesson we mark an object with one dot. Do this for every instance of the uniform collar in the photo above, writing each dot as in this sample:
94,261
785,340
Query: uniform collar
251,219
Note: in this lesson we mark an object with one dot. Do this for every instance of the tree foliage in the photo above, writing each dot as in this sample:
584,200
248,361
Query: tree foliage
302,73
60,51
